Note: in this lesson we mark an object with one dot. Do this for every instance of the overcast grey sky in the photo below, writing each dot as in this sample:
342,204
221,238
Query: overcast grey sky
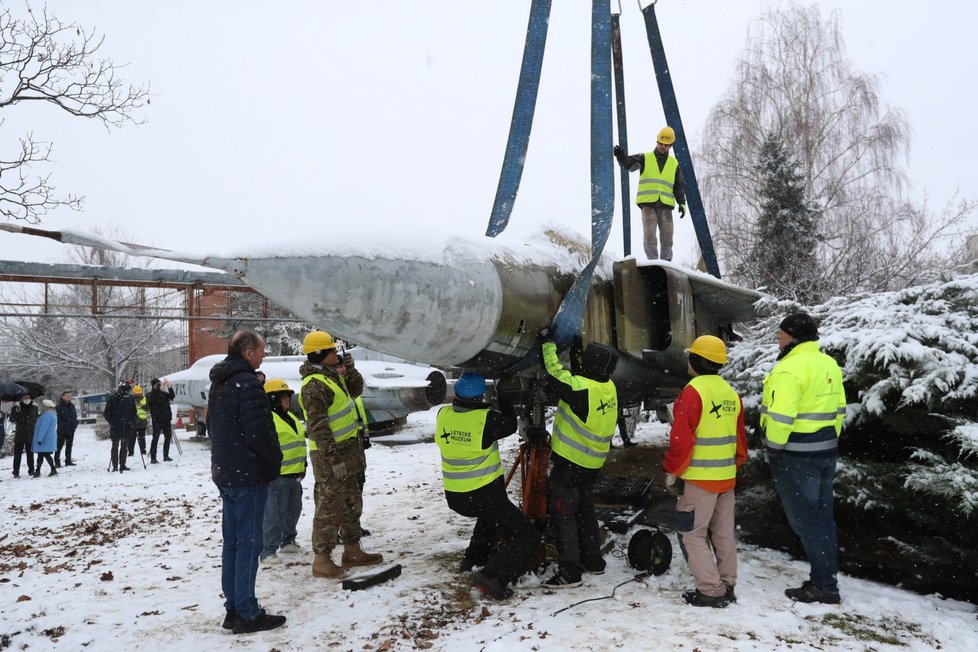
309,120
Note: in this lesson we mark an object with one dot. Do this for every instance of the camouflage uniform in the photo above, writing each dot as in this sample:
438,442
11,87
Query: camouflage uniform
336,466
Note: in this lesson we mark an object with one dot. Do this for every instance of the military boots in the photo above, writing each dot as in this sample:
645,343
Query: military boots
323,566
354,555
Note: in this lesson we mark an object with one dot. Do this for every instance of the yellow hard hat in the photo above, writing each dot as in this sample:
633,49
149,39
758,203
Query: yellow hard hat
667,136
318,341
709,347
277,385
136,389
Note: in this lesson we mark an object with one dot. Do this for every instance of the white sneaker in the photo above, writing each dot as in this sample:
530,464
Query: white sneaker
292,548
270,560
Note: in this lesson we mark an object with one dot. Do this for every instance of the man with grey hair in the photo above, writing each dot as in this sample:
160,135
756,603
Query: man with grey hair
245,458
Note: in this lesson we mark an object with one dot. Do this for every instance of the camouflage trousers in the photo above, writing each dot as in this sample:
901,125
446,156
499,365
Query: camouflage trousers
338,495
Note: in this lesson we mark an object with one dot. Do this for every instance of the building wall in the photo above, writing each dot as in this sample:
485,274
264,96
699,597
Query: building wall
202,340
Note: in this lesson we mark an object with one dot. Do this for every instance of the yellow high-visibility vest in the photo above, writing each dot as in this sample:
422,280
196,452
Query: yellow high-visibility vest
341,415
804,403
715,450
465,464
293,444
655,185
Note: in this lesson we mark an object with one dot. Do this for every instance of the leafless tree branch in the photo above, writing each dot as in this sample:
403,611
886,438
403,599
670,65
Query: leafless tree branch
43,59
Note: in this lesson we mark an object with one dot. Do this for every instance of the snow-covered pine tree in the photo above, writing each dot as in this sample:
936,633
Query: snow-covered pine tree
783,259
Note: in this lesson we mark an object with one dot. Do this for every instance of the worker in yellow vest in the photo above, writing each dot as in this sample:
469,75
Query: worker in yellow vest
284,504
141,421
587,414
330,383
660,189
706,446
466,433
802,411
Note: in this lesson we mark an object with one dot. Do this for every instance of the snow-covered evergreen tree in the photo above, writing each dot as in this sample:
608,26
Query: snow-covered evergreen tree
783,260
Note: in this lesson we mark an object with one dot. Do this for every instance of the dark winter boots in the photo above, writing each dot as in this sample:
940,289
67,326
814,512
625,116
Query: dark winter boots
698,599
491,586
808,592
262,623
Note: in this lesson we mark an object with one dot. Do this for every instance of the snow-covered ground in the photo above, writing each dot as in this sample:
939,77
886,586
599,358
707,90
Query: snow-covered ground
100,561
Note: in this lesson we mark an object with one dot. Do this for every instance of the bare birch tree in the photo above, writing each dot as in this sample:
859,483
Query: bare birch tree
795,84
45,60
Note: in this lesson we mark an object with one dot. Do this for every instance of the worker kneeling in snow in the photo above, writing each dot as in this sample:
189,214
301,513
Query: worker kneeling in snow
466,432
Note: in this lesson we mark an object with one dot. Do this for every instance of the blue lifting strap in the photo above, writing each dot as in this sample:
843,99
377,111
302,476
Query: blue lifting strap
519,127
570,316
619,66
569,321
671,108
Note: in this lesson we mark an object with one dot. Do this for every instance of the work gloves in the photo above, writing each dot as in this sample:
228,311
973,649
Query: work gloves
671,484
682,211
620,155
347,360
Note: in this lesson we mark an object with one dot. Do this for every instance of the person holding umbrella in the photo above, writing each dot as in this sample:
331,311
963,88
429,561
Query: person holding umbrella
24,417
10,392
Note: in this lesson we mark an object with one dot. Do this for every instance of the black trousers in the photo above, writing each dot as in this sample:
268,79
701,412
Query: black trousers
119,447
20,449
41,458
141,438
65,441
167,431
573,519
504,538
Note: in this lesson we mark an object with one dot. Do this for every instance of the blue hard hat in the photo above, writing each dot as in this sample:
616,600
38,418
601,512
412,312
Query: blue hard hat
470,385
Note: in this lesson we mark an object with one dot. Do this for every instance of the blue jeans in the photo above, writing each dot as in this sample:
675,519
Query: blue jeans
241,526
282,512
805,487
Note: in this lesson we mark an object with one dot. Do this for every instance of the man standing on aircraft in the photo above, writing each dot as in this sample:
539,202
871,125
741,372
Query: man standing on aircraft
660,189
330,384
706,446
802,410
466,433
587,413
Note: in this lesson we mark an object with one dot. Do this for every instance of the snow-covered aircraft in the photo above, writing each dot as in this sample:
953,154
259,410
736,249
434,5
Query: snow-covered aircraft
392,390
479,305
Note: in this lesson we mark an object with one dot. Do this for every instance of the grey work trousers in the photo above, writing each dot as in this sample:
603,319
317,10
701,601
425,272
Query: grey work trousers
657,217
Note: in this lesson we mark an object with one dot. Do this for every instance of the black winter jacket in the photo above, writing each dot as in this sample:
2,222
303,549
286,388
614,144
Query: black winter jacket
120,412
23,417
67,417
159,404
244,444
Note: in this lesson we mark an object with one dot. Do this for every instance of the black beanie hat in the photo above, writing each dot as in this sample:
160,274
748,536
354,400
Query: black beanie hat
800,326
599,361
